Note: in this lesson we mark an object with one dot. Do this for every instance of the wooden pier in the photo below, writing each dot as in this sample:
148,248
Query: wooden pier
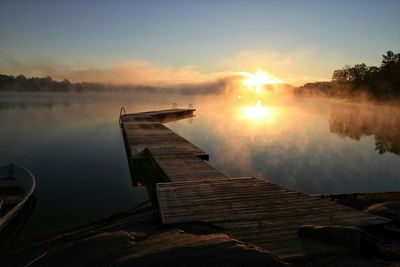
145,130
250,209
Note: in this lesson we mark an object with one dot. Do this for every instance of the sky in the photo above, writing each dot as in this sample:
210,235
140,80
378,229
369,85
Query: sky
190,41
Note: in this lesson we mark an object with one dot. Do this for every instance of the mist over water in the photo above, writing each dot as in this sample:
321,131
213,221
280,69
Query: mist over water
314,145
73,145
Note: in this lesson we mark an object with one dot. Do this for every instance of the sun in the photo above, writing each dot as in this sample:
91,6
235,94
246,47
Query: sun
256,81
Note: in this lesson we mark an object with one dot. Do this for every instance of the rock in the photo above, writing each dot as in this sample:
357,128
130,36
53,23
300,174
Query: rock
172,247
178,248
345,236
390,210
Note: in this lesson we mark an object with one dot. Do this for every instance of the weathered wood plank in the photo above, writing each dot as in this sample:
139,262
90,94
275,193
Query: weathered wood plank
143,130
256,211
177,166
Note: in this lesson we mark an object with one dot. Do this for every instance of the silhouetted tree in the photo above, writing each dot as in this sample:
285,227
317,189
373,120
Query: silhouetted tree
382,82
340,75
390,61
359,72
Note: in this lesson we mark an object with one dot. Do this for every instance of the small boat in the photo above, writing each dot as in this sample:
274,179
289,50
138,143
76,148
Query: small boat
16,186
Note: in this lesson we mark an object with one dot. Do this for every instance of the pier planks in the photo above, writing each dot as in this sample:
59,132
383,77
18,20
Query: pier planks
178,165
144,130
256,211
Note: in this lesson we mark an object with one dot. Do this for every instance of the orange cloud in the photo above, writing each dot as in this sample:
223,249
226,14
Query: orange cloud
128,72
139,72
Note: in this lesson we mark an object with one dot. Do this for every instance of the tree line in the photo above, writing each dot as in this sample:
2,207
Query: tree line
20,83
381,82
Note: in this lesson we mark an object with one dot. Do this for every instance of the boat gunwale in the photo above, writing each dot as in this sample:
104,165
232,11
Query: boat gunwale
14,211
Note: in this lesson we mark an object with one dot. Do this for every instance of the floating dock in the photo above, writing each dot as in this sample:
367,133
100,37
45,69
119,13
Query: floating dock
250,209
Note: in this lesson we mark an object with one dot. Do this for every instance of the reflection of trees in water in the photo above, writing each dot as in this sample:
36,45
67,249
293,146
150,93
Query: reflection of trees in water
25,105
357,121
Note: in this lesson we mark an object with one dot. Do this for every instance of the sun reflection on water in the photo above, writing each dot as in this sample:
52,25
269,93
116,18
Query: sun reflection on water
258,113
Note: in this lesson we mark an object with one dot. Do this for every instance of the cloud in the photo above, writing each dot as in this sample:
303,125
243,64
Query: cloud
128,72
139,72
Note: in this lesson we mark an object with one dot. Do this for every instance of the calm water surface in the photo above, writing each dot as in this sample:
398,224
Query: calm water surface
73,145
315,146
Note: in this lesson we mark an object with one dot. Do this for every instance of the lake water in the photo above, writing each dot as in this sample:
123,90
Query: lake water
73,145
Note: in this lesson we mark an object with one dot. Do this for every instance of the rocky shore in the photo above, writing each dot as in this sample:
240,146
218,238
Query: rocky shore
135,238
